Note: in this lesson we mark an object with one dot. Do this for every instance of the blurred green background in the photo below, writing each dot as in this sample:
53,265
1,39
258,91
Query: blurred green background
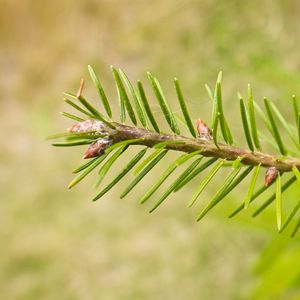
57,244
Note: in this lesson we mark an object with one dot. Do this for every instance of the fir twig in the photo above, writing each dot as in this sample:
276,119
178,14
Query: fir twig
104,135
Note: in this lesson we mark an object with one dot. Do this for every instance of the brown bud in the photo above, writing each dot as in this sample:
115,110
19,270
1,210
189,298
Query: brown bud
204,131
271,175
97,148
88,126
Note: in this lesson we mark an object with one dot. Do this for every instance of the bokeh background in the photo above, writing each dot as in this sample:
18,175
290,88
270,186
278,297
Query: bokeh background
56,243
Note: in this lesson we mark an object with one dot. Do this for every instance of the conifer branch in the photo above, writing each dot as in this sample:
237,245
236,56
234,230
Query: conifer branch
108,139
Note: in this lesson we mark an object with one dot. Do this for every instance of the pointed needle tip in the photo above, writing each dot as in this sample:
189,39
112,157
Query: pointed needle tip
79,93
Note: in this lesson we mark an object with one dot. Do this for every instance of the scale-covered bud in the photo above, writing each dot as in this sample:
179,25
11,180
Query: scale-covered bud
271,175
95,126
97,148
204,131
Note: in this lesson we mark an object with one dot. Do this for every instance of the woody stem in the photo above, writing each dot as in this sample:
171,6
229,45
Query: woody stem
208,148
